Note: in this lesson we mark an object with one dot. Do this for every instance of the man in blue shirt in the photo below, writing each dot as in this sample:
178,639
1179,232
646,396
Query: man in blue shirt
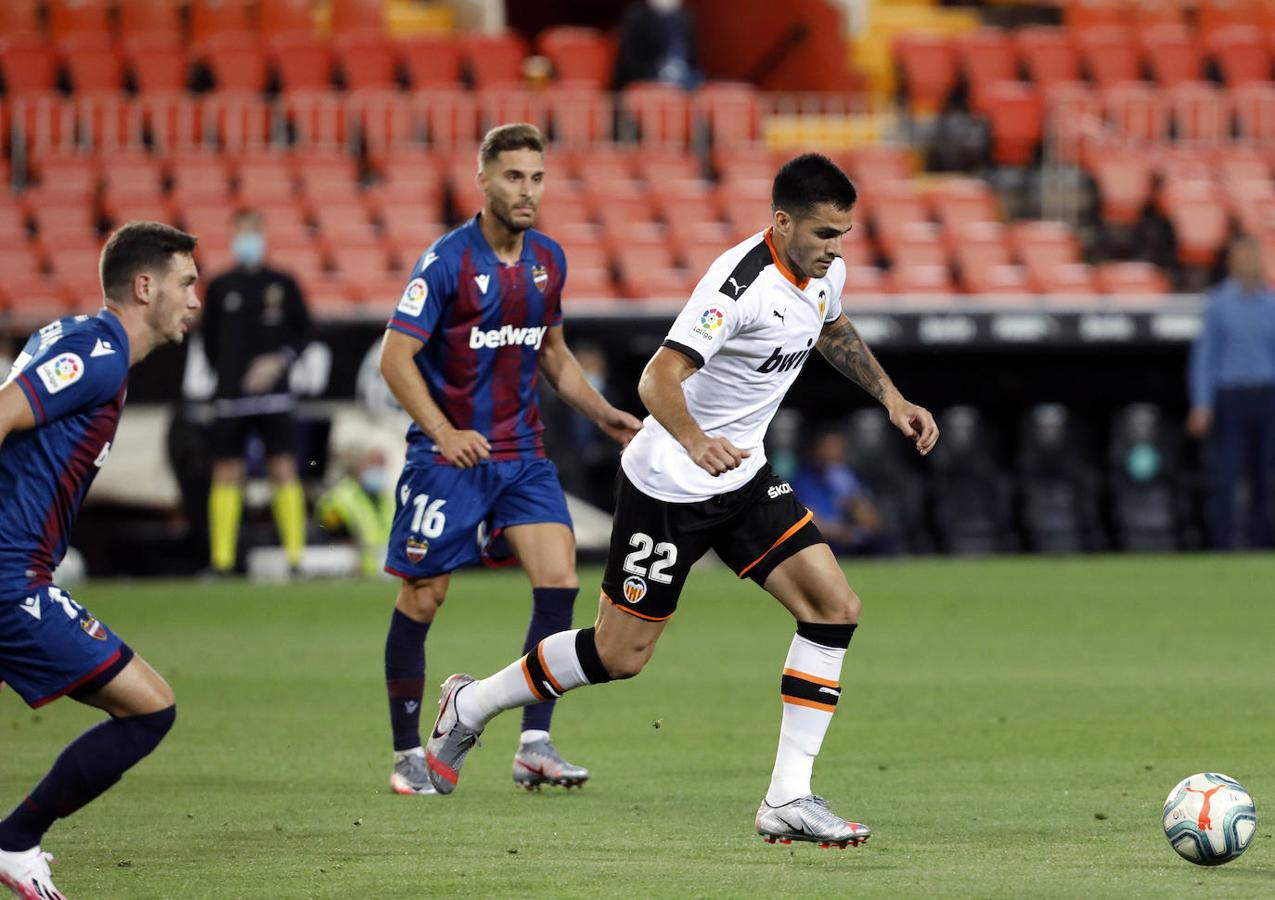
58,411
1232,381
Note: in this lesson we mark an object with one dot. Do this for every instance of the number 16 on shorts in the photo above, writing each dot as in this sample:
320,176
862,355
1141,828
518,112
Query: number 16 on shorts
428,521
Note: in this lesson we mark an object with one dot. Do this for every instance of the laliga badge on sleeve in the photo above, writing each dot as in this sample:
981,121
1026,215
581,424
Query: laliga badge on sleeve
61,372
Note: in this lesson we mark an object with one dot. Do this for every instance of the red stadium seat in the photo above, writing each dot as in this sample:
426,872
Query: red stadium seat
174,121
1048,54
123,208
385,120
431,61
1137,112
367,61
358,16
582,55
1214,14
961,201
977,248
920,279
1110,56
22,262
136,176
29,65
318,119
513,104
109,121
287,18
493,60
1201,112
95,69
999,280
1041,245
158,63
237,63
36,298
1201,223
1173,53
873,164
265,178
1151,13
71,19
1083,15
864,280
732,111
582,117
986,57
1015,112
1074,113
141,19
894,205
214,18
1242,163
1131,278
239,122
70,175
659,114
1124,183
303,62
929,68
1241,53
1065,278
20,18
1254,104
915,243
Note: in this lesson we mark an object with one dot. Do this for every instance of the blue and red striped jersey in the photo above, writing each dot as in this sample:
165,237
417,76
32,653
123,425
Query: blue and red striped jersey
74,373
483,323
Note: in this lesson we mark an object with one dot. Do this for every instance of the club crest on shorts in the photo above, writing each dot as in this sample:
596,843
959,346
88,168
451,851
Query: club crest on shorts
634,588
416,549
93,628
540,275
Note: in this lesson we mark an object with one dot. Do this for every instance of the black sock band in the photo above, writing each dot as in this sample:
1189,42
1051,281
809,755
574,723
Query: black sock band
827,635
590,662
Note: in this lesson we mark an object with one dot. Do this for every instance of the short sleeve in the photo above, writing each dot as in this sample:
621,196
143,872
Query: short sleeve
706,323
837,276
432,285
77,373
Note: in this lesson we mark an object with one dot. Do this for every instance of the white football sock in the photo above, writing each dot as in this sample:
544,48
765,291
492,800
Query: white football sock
546,673
810,689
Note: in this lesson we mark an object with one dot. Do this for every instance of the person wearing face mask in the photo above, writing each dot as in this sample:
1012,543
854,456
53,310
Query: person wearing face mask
362,503
657,43
255,325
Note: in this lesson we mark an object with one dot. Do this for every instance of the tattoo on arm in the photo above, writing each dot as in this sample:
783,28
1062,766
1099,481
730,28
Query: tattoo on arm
845,350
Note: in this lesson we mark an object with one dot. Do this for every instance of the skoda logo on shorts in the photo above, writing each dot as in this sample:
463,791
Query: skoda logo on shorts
634,588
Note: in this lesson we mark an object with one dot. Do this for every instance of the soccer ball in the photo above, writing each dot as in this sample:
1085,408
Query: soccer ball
1209,819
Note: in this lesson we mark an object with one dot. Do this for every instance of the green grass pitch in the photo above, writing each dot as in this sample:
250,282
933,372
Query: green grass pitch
1009,728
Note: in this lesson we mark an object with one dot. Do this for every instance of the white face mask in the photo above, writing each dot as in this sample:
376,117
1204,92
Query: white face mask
665,6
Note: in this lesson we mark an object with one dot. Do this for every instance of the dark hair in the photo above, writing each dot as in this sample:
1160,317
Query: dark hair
137,246
809,179
516,136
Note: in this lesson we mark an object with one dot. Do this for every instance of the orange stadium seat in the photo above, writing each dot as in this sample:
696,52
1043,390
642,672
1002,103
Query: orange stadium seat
915,243
1016,115
36,296
237,63
95,69
66,175
1124,183
239,121
1041,245
1173,54
367,61
907,278
493,60
929,68
431,61
582,117
149,19
1151,13
1065,278
732,111
139,176
1109,55
303,62
986,57
864,280
318,119
108,122
1201,112
1242,164
894,205
385,120
977,248
213,18
354,16
199,178
1074,113
583,55
1214,14
19,263
1130,278
1136,111
70,19
1083,15
872,164
265,177
1201,223
121,209
1048,54
659,112
408,172
1000,279
158,63
513,103
290,18
1254,105
20,18
1241,54
29,65
961,201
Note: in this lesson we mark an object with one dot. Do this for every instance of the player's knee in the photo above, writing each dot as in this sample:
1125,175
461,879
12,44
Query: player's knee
625,662
420,600
840,609
558,578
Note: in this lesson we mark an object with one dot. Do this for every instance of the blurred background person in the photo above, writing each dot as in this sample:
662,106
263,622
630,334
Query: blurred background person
362,503
1232,383
573,436
657,43
255,326
842,507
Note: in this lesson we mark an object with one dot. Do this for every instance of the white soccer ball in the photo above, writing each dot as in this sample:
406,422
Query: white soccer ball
1209,819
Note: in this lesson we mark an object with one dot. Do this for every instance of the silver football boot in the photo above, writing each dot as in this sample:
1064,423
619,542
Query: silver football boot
540,763
450,741
411,777
808,819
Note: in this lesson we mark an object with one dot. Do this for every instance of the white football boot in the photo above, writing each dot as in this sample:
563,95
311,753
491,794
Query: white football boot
27,874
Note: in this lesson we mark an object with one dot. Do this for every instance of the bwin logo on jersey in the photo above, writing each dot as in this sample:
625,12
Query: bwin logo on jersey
779,361
507,336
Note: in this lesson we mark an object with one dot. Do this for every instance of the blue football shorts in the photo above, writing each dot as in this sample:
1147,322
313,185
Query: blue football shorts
51,646
446,518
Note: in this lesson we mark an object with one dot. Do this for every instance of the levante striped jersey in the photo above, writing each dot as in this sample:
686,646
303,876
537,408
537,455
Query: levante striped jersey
482,324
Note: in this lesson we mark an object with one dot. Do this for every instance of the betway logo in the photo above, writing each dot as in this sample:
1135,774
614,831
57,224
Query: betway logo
779,361
508,336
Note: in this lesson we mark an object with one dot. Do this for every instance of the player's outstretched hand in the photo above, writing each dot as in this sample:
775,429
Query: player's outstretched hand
916,423
716,455
619,426
463,449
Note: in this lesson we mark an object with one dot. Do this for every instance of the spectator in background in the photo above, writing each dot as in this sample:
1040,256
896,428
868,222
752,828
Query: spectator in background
588,455
657,43
1232,383
362,503
255,326
842,507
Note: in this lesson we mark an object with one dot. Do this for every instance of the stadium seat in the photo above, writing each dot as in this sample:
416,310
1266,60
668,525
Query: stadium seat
582,117
287,18
35,298
367,61
1123,176
265,178
1048,54
23,262
732,112
656,114
158,63
358,16
173,121
1015,113
72,19
237,63
1201,223
986,56
20,18
959,202
215,18
1143,14
581,55
493,60
303,62
431,61
894,205
871,164
1173,54
1136,112
499,105
1109,55
1214,14
1002,280
1084,15
1241,54
149,19
29,65
95,69
915,243
328,176
121,209
864,280
1131,278
238,122
908,278
1201,112
977,248
1041,245
1254,105
929,68
137,176
69,175
1066,279
316,119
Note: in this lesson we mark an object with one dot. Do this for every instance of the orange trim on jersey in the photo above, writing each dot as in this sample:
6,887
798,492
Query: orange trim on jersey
779,263
531,684
804,677
799,701
540,655
634,612
783,537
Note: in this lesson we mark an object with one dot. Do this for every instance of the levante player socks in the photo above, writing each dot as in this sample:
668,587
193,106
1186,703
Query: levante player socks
562,661
810,688
405,678
551,609
88,766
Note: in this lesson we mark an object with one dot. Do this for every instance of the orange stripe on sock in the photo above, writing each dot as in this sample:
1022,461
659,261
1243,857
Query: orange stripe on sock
531,684
633,612
540,655
804,677
800,701
783,537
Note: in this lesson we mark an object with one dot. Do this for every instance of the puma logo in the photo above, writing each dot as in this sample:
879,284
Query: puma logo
738,287
1205,823
777,314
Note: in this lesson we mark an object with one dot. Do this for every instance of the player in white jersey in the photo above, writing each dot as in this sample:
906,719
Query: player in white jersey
696,478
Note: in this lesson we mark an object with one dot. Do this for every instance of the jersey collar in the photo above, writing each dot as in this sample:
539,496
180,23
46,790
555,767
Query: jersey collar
485,250
115,327
783,270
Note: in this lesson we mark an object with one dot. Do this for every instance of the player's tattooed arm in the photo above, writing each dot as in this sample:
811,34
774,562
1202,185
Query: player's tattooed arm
845,350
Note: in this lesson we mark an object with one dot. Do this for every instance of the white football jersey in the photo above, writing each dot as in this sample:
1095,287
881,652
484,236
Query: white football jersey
749,326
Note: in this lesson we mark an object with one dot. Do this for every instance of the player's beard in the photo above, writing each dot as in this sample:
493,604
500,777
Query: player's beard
504,214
